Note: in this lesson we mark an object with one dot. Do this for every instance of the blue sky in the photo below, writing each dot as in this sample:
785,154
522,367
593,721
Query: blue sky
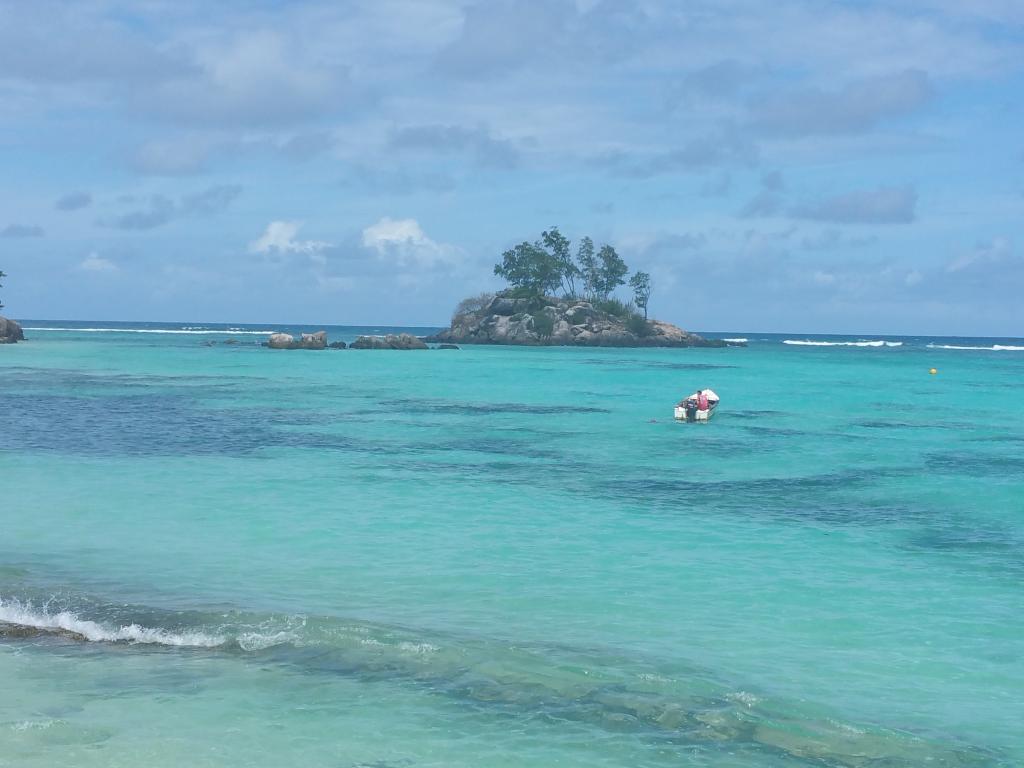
802,165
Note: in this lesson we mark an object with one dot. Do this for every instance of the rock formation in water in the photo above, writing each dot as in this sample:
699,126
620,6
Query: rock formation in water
508,319
10,331
316,340
9,631
391,341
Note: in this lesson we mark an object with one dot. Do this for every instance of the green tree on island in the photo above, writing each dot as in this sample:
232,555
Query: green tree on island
611,272
530,268
640,282
546,265
557,245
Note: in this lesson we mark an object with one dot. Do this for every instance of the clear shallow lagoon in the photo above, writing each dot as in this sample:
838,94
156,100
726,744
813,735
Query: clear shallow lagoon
508,556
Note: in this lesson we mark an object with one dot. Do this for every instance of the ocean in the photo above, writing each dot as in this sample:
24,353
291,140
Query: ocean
509,556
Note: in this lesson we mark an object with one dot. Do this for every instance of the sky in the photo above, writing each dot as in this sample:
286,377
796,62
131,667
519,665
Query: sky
822,166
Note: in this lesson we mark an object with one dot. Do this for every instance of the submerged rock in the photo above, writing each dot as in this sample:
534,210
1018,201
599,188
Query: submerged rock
548,321
447,346
391,341
10,631
10,331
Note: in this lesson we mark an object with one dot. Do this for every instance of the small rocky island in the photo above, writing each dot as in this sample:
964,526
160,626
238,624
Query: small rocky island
548,321
557,298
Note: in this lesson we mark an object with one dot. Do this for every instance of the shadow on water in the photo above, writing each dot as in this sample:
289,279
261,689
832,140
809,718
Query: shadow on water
675,707
974,464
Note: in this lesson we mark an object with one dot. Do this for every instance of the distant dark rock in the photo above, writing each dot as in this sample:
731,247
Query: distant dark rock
10,332
231,341
391,341
337,345
547,321
447,346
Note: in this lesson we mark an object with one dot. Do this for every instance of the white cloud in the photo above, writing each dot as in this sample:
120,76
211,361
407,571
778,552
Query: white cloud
404,242
279,237
94,263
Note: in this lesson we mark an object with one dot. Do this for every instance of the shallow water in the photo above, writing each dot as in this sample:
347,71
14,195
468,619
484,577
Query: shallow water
509,556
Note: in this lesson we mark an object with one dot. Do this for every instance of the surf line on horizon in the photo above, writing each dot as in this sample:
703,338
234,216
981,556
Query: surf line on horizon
174,331
993,348
812,343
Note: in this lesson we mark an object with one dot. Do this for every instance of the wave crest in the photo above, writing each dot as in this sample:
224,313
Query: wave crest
993,348
25,615
872,343
172,331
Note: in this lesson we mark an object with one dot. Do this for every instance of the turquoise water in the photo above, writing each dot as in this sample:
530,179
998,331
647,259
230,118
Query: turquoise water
510,557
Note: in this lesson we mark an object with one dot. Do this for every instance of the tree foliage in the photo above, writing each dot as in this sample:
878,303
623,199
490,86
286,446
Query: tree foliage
640,282
547,265
530,266
557,245
473,304
612,271
587,262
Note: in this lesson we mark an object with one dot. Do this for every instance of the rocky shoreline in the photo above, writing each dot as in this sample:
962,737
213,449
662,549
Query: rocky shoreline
548,321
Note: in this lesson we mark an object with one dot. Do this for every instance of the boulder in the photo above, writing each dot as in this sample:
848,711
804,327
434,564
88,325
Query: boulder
316,340
337,345
391,341
280,341
447,346
10,332
506,305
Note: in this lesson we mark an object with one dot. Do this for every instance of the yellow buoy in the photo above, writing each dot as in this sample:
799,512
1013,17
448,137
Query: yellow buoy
933,371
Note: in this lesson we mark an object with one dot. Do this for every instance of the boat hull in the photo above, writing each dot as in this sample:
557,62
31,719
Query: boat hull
680,414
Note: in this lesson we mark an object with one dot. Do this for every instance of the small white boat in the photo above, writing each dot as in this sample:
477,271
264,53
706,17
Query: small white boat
687,410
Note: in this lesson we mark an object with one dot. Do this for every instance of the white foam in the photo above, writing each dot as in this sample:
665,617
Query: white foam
178,331
34,725
736,341
993,348
873,343
745,698
418,649
16,612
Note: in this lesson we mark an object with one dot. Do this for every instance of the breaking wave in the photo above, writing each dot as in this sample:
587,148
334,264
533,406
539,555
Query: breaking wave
575,685
736,341
166,331
809,343
993,348
25,615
